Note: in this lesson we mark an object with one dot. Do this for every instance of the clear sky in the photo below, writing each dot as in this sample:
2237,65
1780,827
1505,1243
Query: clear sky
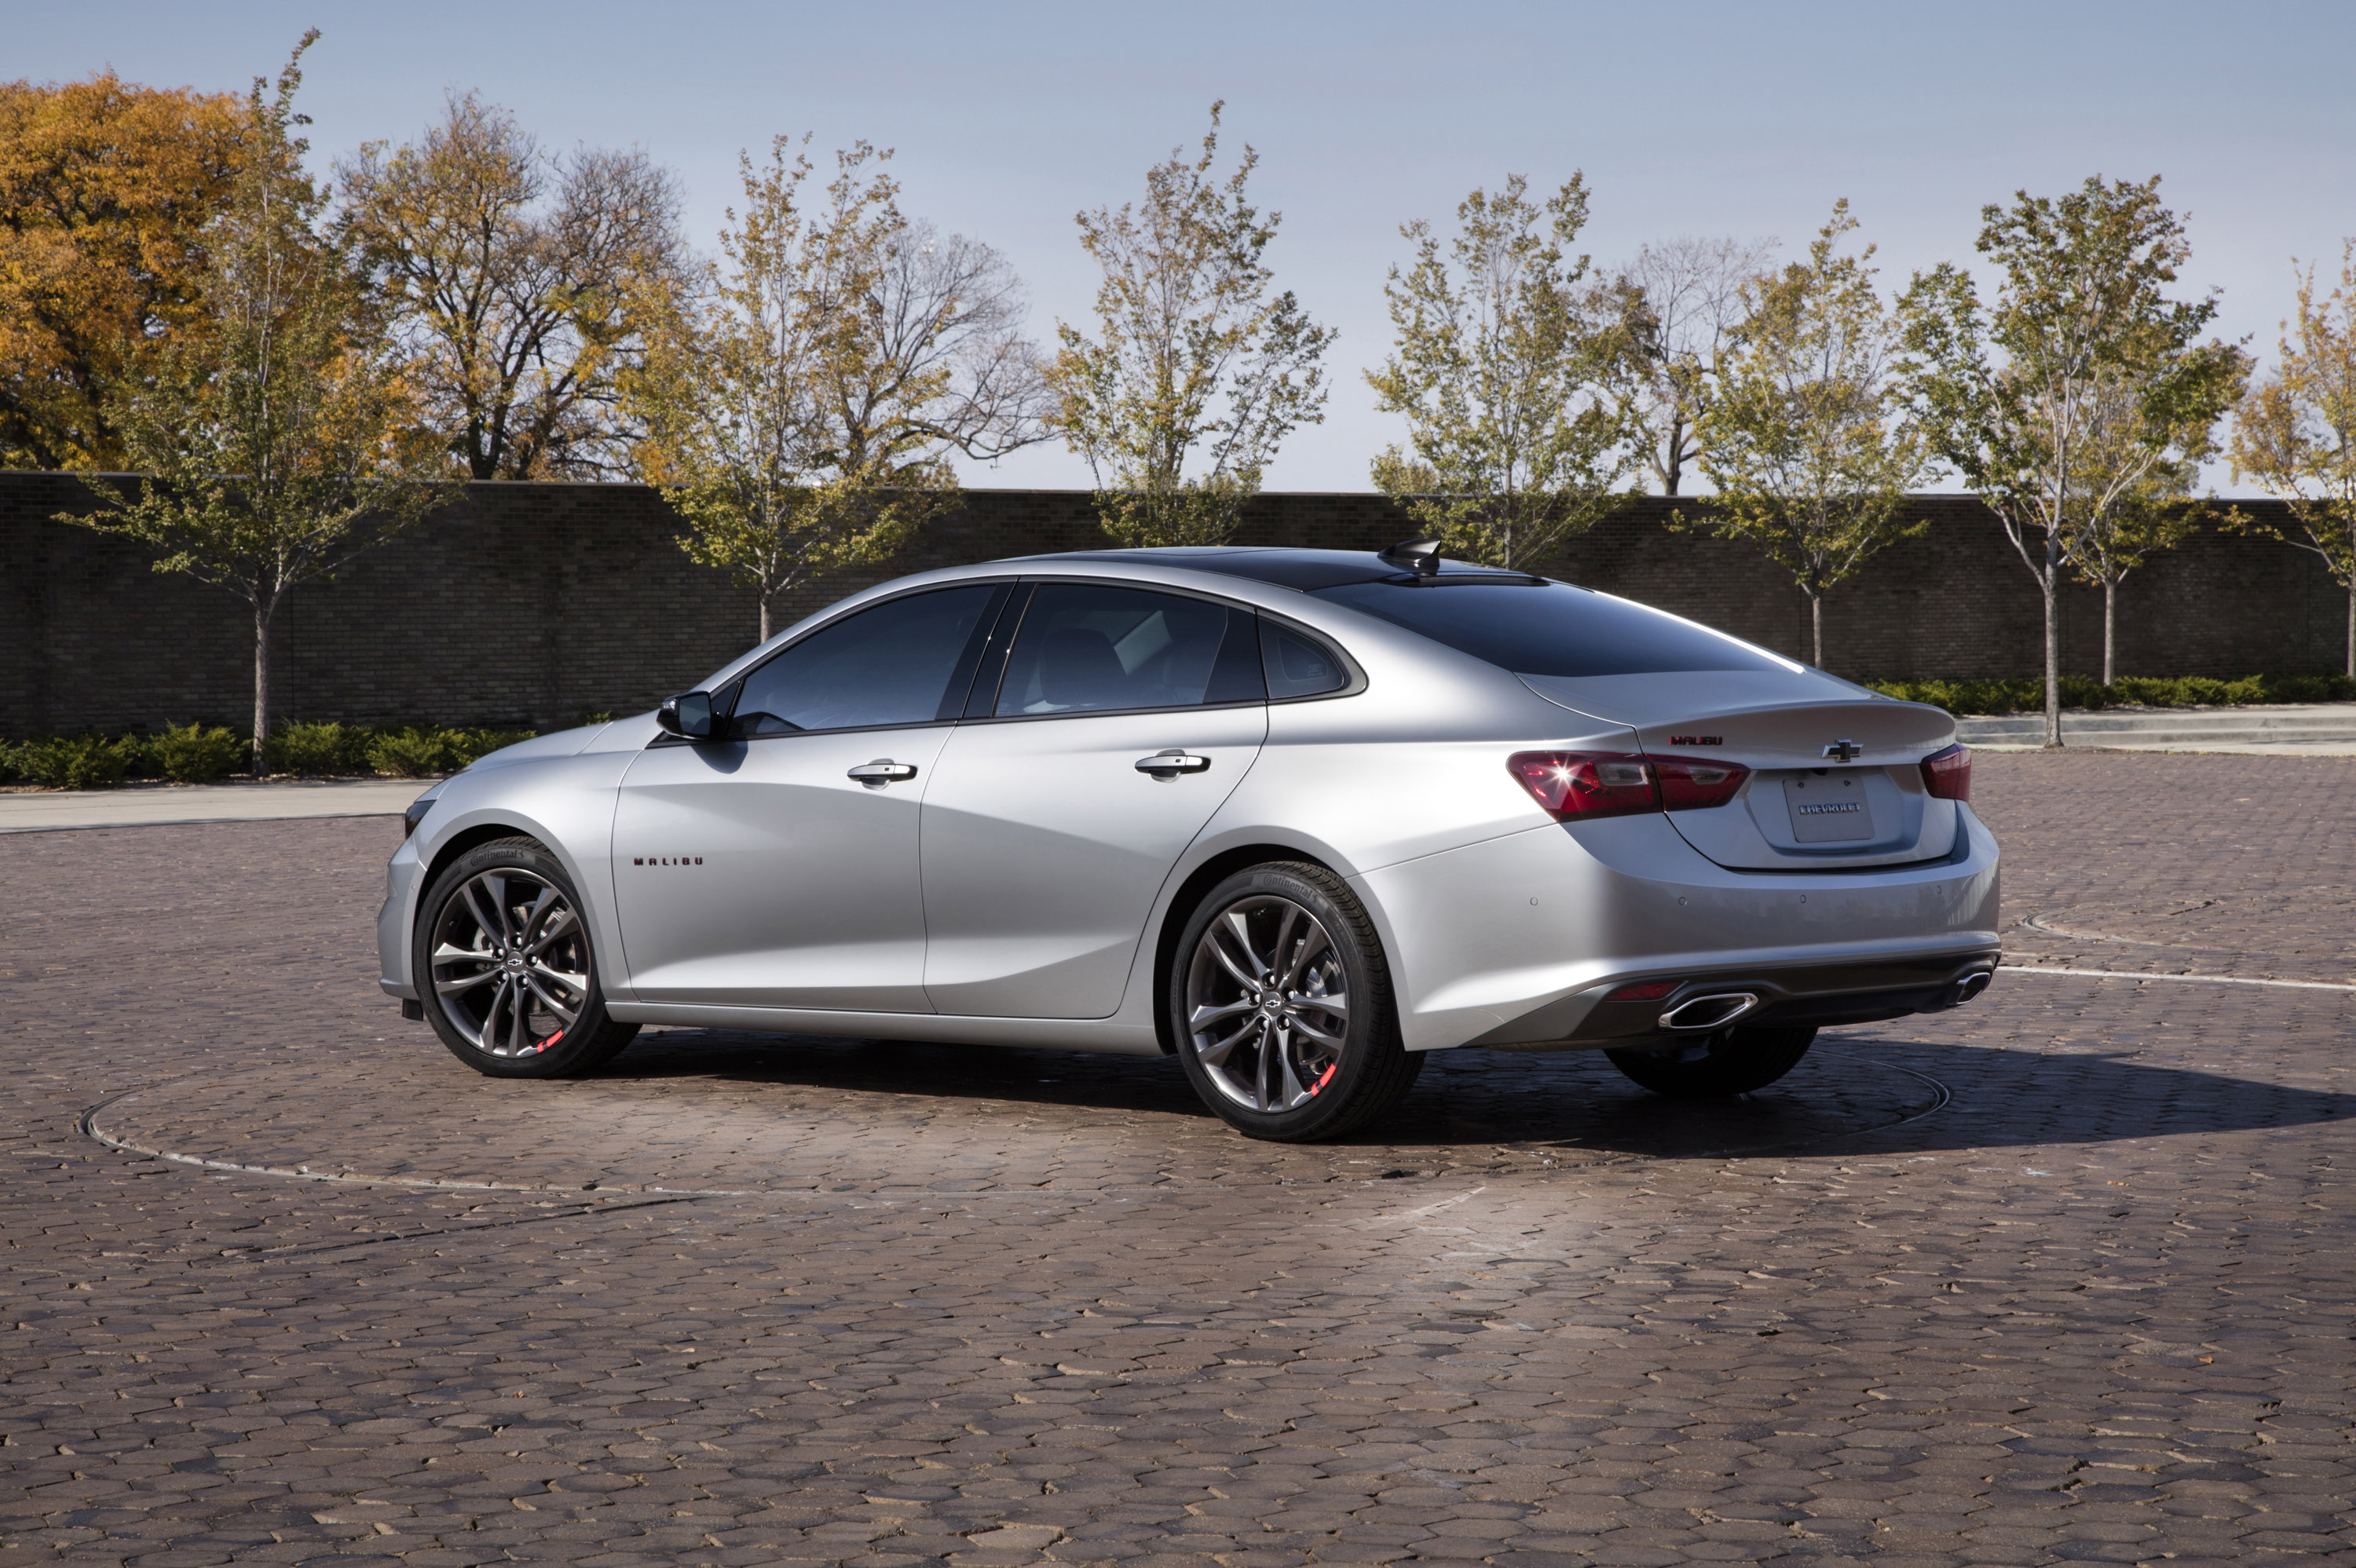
1709,118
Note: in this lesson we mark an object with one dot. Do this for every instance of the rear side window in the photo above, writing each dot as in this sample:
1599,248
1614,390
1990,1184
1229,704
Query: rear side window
1087,648
1553,629
1298,666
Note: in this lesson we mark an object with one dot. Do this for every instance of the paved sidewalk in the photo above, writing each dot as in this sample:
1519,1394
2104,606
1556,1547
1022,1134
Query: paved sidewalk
153,805
2269,729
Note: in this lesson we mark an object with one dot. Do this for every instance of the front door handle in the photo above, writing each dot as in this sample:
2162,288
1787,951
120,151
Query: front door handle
1169,764
882,771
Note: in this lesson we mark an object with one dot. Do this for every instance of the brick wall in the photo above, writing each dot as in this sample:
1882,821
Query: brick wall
535,604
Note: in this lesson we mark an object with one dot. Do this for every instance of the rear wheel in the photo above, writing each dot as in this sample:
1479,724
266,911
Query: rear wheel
504,962
1734,1062
1280,1005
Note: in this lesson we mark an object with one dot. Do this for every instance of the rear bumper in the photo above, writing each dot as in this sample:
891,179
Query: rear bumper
1516,939
1788,996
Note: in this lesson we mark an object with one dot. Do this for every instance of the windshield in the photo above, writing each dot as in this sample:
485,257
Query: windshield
1553,628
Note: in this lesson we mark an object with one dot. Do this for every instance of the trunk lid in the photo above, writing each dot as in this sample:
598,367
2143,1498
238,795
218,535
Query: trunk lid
1835,780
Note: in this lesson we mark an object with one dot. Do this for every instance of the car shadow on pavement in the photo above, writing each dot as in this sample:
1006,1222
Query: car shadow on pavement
1859,1090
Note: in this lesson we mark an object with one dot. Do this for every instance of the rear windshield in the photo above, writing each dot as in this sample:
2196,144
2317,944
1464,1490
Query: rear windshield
1552,629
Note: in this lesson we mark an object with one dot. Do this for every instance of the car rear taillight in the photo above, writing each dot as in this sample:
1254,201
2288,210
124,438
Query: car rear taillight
1947,775
1583,784
1620,783
1694,783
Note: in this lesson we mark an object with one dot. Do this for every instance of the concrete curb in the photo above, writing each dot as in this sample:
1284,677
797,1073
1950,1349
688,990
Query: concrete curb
160,806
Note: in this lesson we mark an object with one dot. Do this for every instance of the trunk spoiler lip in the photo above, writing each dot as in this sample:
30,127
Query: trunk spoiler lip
1932,728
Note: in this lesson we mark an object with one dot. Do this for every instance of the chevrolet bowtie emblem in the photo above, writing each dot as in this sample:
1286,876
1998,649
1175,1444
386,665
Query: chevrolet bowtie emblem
1844,750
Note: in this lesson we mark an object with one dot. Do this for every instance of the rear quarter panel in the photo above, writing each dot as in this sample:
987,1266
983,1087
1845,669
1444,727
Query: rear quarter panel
1413,766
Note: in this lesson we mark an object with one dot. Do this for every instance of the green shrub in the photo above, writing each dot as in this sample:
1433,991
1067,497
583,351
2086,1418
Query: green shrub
191,754
81,762
2027,694
196,753
1991,695
412,753
2308,688
2188,691
317,749
468,744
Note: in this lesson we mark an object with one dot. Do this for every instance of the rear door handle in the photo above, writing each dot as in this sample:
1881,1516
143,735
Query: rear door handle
882,771
1171,763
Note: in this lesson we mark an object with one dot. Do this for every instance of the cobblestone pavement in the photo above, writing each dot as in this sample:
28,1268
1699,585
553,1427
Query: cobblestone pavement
2065,1277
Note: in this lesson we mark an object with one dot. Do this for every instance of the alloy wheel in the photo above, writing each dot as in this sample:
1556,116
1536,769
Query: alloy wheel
1267,1004
511,962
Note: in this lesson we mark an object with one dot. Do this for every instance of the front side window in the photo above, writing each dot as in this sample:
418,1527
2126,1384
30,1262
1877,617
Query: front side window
1086,648
892,663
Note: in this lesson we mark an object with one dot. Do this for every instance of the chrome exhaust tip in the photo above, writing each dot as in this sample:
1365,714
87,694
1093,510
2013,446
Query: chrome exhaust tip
1970,985
1700,1014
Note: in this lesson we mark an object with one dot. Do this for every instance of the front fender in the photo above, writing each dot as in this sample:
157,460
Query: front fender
565,803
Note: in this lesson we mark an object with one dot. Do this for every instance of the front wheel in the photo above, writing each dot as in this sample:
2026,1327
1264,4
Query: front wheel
504,962
1280,1005
1734,1062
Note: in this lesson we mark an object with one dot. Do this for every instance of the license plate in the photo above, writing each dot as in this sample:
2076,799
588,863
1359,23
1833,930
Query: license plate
1829,807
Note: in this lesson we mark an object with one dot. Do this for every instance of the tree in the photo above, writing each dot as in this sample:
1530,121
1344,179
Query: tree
513,277
1806,441
1511,447
2015,395
2297,433
1192,351
1674,309
799,410
2154,511
276,439
105,187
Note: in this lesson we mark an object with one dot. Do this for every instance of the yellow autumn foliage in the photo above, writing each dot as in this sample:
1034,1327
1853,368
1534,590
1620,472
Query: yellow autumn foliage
105,188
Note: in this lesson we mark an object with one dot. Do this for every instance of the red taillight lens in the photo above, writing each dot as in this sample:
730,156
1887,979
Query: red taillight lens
1695,784
1582,784
1947,775
1620,783
1643,991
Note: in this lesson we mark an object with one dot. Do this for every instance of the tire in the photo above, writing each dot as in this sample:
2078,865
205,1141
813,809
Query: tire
1734,1062
1286,955
523,1000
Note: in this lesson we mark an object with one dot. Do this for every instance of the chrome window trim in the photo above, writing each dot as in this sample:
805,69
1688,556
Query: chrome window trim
1356,683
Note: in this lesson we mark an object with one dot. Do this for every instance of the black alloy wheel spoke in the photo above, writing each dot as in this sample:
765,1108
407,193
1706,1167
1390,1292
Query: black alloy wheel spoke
509,963
1266,1003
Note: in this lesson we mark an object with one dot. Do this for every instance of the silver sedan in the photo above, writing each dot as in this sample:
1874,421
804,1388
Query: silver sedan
1300,817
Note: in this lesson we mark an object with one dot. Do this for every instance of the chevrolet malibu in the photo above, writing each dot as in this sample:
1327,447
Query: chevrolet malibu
1299,818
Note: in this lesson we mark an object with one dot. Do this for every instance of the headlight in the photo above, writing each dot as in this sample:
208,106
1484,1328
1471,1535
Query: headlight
417,810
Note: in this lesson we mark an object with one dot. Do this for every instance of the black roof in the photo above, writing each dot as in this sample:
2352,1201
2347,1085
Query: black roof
1307,570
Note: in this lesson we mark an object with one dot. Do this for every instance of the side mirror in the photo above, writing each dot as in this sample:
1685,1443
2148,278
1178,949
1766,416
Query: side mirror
687,715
